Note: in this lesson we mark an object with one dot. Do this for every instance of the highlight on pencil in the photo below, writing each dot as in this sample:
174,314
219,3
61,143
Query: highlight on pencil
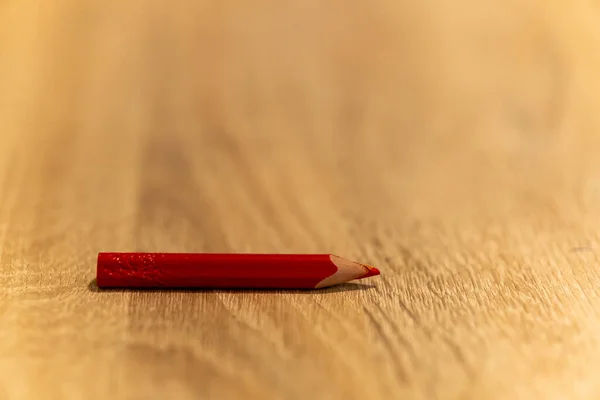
207,270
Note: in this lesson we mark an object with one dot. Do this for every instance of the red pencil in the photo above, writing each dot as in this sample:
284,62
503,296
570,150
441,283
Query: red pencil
287,271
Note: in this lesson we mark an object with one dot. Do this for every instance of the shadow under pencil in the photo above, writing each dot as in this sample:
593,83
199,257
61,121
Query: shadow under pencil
346,287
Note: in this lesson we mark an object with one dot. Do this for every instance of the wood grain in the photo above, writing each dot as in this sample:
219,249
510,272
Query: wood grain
453,145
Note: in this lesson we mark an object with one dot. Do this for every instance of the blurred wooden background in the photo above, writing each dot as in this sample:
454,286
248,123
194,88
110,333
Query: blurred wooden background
455,145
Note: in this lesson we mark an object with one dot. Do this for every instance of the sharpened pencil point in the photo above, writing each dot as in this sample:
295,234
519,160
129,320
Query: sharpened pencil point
372,272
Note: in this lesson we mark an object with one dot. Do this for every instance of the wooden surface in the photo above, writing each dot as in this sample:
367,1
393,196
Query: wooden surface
455,145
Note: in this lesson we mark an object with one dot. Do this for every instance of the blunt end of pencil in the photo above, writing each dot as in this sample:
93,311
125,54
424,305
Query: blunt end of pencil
372,271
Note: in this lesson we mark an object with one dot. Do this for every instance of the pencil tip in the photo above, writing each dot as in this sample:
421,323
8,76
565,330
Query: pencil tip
372,272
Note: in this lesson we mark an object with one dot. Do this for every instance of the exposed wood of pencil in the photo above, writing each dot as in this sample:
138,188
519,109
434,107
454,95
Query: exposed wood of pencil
209,270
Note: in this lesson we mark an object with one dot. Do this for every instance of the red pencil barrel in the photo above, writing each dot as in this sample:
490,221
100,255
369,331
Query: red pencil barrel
137,270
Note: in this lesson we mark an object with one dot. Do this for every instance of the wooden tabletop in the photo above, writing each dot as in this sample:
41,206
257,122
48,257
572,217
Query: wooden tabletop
455,146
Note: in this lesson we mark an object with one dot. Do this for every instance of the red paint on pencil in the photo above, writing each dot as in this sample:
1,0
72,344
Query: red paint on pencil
285,271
